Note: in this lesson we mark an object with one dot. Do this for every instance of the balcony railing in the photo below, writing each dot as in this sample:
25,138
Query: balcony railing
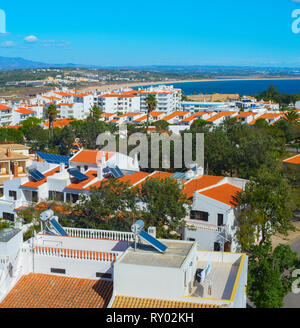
76,254
99,234
204,226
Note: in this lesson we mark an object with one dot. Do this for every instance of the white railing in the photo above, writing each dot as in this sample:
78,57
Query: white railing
99,234
203,226
76,254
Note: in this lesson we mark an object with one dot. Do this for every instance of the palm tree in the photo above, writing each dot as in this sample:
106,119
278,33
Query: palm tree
51,114
151,104
291,116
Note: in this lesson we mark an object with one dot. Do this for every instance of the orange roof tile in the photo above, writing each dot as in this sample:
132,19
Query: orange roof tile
37,290
200,183
60,122
36,184
25,111
79,185
224,193
91,156
175,114
3,107
219,115
194,116
293,160
138,302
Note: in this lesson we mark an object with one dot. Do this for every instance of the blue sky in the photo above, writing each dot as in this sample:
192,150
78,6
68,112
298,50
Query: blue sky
156,32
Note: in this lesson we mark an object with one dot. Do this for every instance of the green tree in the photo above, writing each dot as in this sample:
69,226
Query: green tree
270,274
51,114
111,202
151,104
266,207
164,206
95,113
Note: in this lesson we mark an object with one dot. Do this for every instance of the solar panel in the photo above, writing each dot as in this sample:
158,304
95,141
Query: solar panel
58,228
53,158
77,174
114,172
153,241
120,173
36,175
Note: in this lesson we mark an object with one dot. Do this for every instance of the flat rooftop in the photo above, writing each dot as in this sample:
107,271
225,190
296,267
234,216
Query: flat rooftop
221,278
147,255
7,234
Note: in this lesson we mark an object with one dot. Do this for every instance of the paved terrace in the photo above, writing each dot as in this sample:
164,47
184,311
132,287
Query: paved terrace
222,277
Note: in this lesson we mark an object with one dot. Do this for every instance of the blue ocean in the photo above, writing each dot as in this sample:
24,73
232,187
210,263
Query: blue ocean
246,88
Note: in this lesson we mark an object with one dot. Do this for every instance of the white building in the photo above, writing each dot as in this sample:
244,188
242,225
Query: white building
98,268
212,220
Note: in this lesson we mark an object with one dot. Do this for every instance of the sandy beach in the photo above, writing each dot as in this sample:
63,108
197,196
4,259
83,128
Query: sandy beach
110,87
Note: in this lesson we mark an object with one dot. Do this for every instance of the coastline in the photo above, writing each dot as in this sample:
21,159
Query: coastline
110,87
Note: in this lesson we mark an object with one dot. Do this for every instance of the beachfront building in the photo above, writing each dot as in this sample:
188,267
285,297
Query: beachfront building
85,268
119,101
209,106
168,98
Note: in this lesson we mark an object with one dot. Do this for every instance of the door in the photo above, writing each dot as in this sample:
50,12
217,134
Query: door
220,220
227,246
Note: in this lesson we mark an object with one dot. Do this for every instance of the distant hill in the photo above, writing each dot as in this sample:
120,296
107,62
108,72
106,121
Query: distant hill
10,63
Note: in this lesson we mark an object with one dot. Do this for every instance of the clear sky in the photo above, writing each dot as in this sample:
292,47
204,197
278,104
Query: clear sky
156,32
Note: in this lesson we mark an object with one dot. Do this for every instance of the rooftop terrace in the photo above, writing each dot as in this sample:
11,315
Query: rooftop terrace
147,255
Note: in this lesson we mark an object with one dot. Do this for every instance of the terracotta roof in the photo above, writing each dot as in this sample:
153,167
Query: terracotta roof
194,116
293,160
246,114
175,114
200,183
138,302
141,119
25,111
224,193
3,107
158,174
219,115
267,116
37,290
36,184
60,122
90,156
79,185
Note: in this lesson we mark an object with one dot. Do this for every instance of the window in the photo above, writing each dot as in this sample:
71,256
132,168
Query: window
34,196
85,167
191,239
217,247
103,275
8,216
199,215
13,194
73,198
56,195
55,270
220,220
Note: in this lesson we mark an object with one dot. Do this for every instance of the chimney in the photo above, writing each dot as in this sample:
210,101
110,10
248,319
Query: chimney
62,167
200,171
15,169
103,160
99,173
8,152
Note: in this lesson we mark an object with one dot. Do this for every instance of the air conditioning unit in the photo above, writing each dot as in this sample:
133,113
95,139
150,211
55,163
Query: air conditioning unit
152,231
